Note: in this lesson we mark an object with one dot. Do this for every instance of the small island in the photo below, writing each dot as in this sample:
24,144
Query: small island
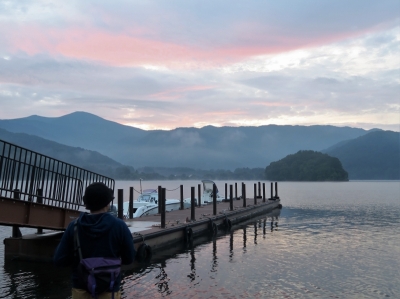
307,165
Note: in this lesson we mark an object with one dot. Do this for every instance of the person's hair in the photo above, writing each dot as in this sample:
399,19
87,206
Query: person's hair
97,196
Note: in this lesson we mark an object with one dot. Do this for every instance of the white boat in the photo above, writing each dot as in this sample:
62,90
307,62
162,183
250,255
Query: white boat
147,204
207,195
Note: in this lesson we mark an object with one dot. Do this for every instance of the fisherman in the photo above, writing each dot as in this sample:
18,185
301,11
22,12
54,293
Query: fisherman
100,235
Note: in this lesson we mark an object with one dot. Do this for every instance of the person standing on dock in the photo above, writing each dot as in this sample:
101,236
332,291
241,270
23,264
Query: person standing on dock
99,235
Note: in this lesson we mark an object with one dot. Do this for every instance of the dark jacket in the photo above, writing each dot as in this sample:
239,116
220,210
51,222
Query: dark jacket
100,235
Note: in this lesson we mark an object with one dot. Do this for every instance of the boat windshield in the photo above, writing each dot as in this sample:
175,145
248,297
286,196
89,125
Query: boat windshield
149,191
208,185
145,197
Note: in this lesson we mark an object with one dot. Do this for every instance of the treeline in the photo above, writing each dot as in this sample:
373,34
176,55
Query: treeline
307,166
182,173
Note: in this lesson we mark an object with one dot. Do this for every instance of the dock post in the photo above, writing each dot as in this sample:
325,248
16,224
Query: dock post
259,190
159,199
255,194
236,191
263,192
276,190
226,191
16,233
121,203
130,202
244,194
214,199
181,192
272,191
230,197
162,199
192,204
199,194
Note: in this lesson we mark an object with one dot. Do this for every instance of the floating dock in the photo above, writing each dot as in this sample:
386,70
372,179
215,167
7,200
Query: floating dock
149,237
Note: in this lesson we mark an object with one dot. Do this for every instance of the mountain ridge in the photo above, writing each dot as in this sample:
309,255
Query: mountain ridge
375,155
200,148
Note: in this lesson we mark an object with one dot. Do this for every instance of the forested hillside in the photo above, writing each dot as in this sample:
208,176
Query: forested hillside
80,157
374,156
306,166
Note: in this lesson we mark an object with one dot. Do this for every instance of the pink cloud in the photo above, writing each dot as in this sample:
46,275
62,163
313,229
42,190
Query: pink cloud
177,93
132,49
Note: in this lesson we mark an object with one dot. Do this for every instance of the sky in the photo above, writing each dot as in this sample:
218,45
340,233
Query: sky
178,63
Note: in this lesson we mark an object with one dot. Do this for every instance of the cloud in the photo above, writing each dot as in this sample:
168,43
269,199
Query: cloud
184,34
168,64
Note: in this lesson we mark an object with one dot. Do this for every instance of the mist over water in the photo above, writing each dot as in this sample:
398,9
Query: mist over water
331,240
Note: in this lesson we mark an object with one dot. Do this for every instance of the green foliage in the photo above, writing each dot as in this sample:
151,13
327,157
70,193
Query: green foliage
183,173
306,166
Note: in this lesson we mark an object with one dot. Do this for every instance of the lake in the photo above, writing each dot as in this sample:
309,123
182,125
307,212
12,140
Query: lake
331,240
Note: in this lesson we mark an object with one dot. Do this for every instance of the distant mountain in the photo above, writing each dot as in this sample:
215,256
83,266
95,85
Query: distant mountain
78,129
373,156
80,157
306,166
205,148
101,164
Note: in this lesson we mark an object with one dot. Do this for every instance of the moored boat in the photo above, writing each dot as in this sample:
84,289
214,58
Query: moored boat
207,195
147,204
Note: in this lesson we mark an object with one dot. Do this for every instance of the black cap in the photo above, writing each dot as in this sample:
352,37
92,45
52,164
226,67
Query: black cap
97,196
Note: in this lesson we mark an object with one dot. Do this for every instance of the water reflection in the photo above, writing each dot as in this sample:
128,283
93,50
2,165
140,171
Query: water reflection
28,279
244,238
231,253
163,280
255,233
214,263
192,275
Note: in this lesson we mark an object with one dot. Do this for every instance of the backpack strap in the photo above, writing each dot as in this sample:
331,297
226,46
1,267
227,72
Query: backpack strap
77,248
77,244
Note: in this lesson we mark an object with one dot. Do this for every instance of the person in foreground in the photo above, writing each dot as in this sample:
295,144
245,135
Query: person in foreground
92,237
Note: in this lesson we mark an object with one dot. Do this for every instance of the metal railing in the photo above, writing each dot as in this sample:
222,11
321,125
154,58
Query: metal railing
29,176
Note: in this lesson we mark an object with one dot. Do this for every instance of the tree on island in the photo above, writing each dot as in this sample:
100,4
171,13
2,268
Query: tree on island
306,166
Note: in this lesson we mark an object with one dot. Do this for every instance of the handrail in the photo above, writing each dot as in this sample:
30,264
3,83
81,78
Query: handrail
33,177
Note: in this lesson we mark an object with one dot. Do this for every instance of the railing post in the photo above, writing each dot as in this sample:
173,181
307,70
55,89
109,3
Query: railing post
199,194
214,199
259,189
16,194
39,195
162,207
192,204
263,192
130,202
120,203
230,197
181,193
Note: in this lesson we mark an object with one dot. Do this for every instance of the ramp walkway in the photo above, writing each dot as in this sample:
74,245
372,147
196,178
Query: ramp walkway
39,191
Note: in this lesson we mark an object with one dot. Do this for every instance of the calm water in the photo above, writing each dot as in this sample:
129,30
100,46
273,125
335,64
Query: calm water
332,240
